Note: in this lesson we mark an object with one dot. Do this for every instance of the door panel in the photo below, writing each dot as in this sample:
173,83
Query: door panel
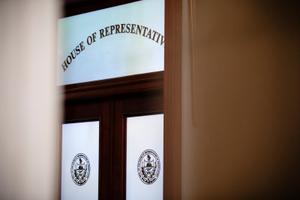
134,96
144,157
80,161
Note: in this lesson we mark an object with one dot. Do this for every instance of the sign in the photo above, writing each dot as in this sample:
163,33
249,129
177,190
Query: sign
113,42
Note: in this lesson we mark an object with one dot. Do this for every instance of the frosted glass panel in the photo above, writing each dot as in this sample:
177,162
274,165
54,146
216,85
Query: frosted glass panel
144,165
113,42
80,153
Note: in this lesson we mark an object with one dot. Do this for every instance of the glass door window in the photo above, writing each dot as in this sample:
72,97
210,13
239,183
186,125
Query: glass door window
80,161
144,157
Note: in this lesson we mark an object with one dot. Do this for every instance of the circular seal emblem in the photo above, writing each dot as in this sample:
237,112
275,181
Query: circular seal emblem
80,169
148,166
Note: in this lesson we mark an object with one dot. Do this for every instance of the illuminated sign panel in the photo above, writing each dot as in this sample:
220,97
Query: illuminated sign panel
113,42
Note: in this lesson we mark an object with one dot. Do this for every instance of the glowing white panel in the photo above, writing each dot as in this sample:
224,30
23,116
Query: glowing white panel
80,153
144,165
113,42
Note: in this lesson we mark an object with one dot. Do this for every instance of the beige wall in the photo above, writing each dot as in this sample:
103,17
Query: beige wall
241,99
29,137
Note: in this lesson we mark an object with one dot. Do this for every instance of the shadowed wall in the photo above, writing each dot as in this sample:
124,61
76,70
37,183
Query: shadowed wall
241,100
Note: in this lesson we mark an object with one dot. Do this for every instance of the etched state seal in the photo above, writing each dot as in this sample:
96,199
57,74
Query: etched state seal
80,169
148,166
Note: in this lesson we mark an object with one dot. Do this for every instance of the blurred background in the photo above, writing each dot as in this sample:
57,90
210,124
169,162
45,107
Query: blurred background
241,100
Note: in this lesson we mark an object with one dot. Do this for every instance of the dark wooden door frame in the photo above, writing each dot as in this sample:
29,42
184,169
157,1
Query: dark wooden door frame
171,85
74,7
111,102
172,100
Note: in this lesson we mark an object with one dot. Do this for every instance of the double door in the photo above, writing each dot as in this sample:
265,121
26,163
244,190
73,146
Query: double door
119,153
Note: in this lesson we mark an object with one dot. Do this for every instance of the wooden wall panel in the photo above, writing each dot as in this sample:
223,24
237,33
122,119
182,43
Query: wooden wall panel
172,100
241,135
